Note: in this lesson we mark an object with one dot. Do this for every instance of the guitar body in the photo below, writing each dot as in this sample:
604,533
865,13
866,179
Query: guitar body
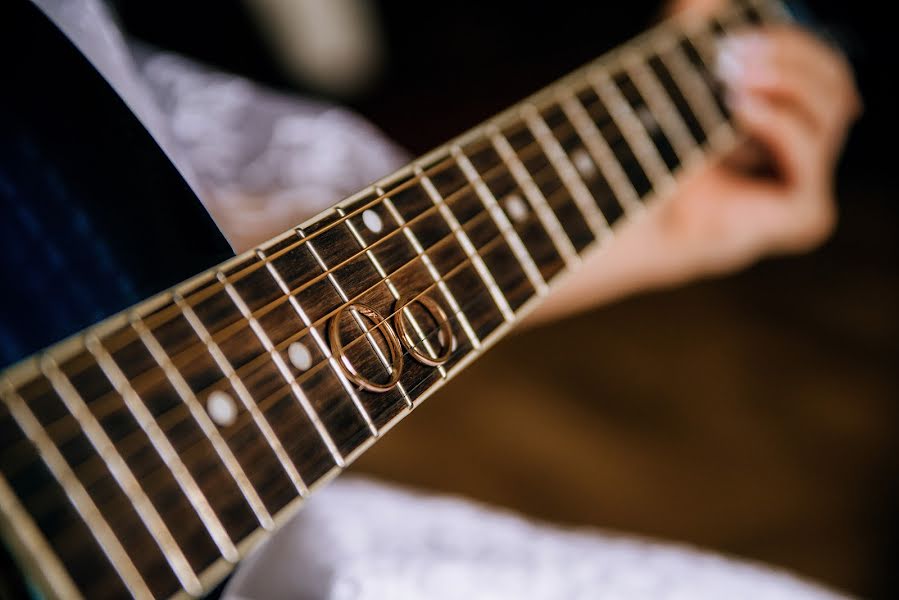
94,217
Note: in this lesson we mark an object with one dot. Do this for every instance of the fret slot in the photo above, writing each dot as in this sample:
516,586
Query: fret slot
446,255
330,394
648,119
514,202
406,277
550,184
678,99
586,165
491,245
298,435
706,72
599,115
356,279
255,458
63,528
193,449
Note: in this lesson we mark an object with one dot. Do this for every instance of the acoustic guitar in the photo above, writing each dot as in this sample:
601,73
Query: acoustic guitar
162,439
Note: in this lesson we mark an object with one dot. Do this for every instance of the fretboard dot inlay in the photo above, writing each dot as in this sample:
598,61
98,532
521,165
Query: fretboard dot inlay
583,163
221,408
516,207
372,220
300,356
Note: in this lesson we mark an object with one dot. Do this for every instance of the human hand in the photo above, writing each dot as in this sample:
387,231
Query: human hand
794,98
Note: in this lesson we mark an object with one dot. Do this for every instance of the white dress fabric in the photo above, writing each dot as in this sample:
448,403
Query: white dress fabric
263,162
362,540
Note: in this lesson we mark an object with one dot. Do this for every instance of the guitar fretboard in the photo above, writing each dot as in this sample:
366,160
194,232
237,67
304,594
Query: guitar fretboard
150,453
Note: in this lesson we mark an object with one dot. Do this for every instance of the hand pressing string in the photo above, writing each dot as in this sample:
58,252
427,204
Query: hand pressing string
794,98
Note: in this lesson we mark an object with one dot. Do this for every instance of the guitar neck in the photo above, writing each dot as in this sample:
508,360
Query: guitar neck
150,453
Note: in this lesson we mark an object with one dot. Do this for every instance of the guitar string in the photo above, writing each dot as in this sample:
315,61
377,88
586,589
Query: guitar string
454,316
673,29
183,357
463,263
239,325
122,444
278,393
503,168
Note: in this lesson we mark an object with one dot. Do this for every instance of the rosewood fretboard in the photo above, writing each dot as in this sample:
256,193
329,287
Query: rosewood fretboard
147,455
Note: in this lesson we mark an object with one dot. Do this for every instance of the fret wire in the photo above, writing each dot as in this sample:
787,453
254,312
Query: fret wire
205,293
432,271
367,332
205,423
285,372
464,263
540,206
234,327
673,125
602,155
501,221
633,131
393,292
237,383
82,502
582,197
467,246
164,449
489,337
695,91
548,170
119,468
319,341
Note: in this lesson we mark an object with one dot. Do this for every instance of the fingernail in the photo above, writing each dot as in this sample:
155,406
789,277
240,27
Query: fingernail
735,54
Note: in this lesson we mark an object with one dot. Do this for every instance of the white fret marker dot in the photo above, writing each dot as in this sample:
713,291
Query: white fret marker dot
646,117
221,408
299,356
583,163
516,207
372,220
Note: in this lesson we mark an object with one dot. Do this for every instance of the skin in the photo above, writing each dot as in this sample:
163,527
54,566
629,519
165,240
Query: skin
794,98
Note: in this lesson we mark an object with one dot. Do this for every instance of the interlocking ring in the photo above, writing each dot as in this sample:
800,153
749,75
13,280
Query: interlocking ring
381,324
446,330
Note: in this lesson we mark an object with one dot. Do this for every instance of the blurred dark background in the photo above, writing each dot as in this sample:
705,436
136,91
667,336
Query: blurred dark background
754,414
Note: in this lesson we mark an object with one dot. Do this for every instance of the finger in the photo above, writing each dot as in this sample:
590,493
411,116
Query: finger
781,130
793,67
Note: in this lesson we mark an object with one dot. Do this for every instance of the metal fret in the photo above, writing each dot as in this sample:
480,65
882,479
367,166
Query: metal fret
282,368
570,177
369,336
661,106
432,271
151,518
695,91
502,222
393,291
469,249
538,203
54,573
206,425
319,341
602,154
633,131
249,404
